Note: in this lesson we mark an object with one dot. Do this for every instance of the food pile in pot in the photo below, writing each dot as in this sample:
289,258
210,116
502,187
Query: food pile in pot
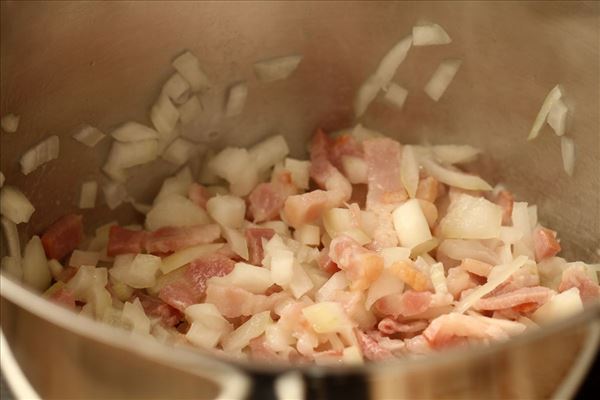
369,250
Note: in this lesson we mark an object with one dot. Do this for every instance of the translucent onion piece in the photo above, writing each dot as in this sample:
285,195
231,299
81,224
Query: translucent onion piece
300,171
177,88
301,282
355,169
227,210
190,110
559,307
455,154
567,149
188,66
441,78
387,283
395,95
549,101
360,133
80,257
135,317
114,194
276,68
308,234
557,117
133,132
391,61
472,218
366,94
269,152
410,224
45,151
429,34
203,336
409,170
230,163
164,116
185,256
175,210
139,272
249,330
10,123
249,277
282,266
14,205
125,155
236,241
179,151
11,236
177,184
454,178
35,266
236,99
87,197
89,135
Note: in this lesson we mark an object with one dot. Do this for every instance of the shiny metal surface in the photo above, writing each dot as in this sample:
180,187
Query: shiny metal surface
68,63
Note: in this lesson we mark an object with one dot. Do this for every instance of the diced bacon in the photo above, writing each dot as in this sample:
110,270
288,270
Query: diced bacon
371,349
575,276
63,236
64,297
443,330
459,280
505,199
362,266
124,241
226,251
428,189
254,237
169,239
199,195
344,145
305,208
411,275
326,263
406,304
390,326
537,296
260,351
322,170
476,267
179,295
267,200
545,243
233,301
157,308
382,156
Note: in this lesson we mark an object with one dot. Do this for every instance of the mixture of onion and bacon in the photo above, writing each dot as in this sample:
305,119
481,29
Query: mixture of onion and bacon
370,250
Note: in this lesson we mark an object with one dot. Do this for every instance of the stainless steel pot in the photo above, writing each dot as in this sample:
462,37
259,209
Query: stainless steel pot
66,63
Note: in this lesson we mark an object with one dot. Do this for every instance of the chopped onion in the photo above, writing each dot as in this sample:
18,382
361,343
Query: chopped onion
87,198
471,217
11,236
121,290
327,317
179,151
125,155
10,123
410,224
203,336
338,281
554,95
498,275
567,149
246,276
392,255
360,133
308,234
45,151
557,117
133,132
436,273
276,68
387,283
236,99
177,88
35,265
135,317
114,194
340,221
249,330
89,135
177,184
559,307
395,95
300,171
269,152
521,222
140,207
355,169
532,213
187,255
429,34
12,266
227,210
80,257
139,272
190,110
455,154
188,66
441,78
164,116
301,282
175,210
366,94
208,315
14,205
280,227
236,241
237,167
454,178
392,60
282,266
409,170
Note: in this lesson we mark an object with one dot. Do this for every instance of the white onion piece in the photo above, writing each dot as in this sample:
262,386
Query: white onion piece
327,317
429,34
249,277
338,281
549,101
134,316
308,234
300,171
557,117
395,95
269,152
140,207
366,94
177,88
441,78
392,255
455,154
208,315
409,170
87,197
498,275
245,182
45,151
89,135
177,184
280,227
188,66
249,330
2,179
391,61
139,273
355,169
175,210
227,210
133,132
236,241
237,167
560,306
340,221
387,283
454,178
436,273
282,266
187,255
125,155
11,236
567,149
410,224
10,123
522,223
459,249
80,257
471,217
35,265
276,68
114,194
236,99
164,115
190,110
532,212
301,282
12,266
360,133
203,336
179,151
14,205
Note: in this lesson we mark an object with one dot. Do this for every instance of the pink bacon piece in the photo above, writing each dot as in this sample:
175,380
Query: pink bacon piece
304,208
505,199
406,304
390,326
535,296
254,238
169,239
267,200
459,280
64,297
199,195
322,171
545,243
575,276
235,302
445,329
63,236
125,241
344,145
362,266
371,349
